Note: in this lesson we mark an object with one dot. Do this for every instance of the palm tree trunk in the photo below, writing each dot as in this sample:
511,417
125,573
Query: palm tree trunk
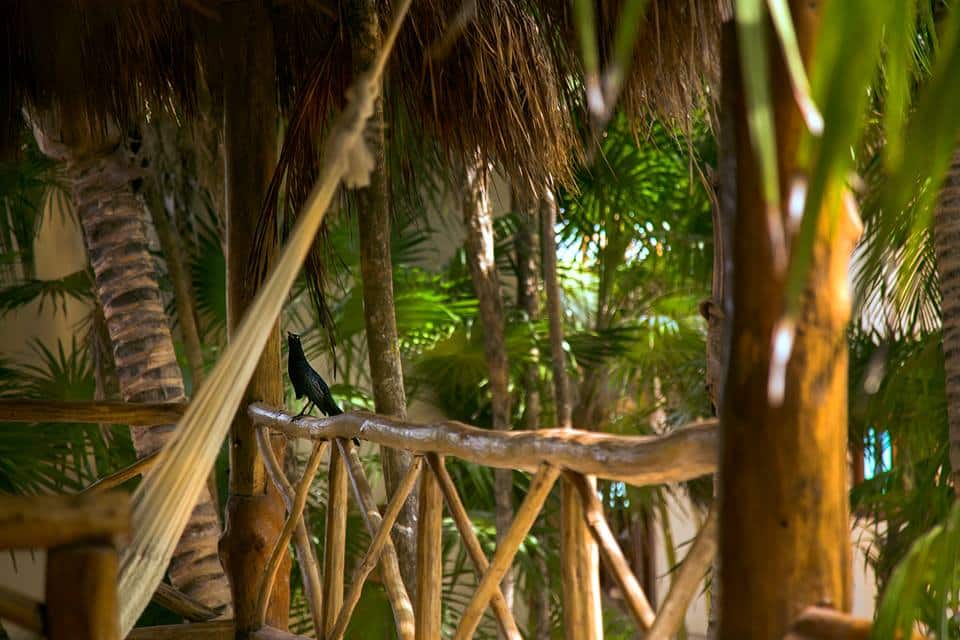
946,235
478,223
112,219
528,299
255,511
581,572
783,466
383,343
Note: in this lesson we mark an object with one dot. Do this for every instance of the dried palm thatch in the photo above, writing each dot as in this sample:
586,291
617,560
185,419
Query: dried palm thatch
96,63
500,78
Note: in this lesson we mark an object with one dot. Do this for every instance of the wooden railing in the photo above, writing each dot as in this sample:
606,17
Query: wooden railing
81,532
80,535
548,454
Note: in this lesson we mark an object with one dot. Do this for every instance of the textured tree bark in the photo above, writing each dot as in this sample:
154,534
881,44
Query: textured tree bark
383,343
784,527
946,235
255,511
478,223
101,173
581,566
528,299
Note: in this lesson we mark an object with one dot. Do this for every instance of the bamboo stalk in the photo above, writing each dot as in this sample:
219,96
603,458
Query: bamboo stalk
174,600
469,539
372,556
91,412
43,522
526,514
390,567
216,630
306,557
429,558
22,610
610,551
250,132
686,581
335,544
684,453
280,548
117,478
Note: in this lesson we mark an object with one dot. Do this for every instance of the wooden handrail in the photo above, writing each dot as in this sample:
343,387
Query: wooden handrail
683,454
389,565
821,623
117,478
93,412
611,553
42,522
507,547
21,609
175,601
688,577
468,538
216,630
306,556
372,556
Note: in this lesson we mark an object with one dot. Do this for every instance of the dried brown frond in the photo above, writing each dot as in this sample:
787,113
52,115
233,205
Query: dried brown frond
676,59
99,63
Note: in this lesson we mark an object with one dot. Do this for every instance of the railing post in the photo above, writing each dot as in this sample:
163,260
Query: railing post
429,558
82,592
334,548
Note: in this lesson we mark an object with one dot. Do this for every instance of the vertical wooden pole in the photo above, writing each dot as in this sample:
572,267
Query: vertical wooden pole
380,320
255,511
82,592
429,558
334,546
784,533
580,566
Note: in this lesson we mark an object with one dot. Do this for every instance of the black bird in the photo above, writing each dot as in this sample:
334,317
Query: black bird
307,382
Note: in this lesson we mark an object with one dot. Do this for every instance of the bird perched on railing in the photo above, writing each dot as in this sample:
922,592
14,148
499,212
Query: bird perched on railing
307,382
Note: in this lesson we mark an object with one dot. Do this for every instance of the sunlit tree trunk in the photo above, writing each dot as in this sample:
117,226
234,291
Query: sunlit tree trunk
478,223
946,234
785,529
101,176
580,560
383,342
255,511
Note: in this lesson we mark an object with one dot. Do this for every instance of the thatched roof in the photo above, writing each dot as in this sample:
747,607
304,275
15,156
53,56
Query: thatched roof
498,78
506,87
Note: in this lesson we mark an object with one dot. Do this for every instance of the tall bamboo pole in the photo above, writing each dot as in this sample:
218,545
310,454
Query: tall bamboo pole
784,532
383,344
255,511
581,577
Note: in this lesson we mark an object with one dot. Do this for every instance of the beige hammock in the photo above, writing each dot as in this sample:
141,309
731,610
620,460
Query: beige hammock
163,502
